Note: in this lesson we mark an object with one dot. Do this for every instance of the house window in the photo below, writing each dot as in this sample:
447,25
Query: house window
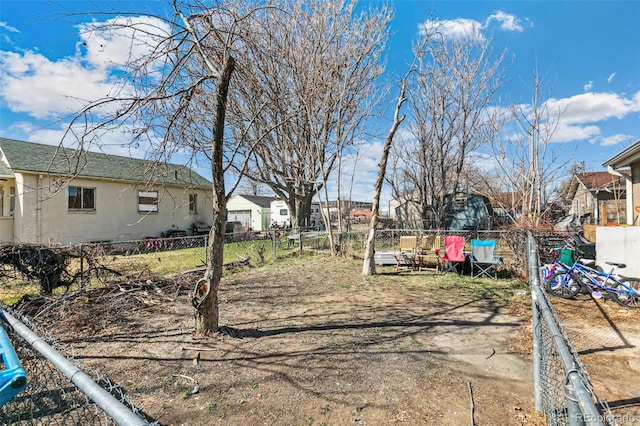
148,201
193,204
82,198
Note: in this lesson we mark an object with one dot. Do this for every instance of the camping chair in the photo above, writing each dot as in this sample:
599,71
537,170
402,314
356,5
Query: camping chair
406,254
429,250
483,257
453,253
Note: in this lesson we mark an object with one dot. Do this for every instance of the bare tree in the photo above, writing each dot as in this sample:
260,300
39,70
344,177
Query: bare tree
451,95
369,264
315,76
173,100
530,166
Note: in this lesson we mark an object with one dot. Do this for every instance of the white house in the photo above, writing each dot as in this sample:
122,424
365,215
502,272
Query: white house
50,194
250,210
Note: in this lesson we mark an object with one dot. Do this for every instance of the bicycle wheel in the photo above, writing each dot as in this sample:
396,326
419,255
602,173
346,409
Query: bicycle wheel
624,296
563,285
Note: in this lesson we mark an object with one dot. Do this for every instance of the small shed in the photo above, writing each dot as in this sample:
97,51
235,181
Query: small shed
252,211
466,211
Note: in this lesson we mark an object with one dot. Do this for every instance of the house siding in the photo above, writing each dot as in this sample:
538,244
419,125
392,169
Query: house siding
44,217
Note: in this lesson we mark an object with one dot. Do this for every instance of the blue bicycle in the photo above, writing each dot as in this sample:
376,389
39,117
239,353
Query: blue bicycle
567,283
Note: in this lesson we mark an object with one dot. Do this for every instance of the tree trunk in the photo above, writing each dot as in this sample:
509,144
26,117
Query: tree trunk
205,298
369,264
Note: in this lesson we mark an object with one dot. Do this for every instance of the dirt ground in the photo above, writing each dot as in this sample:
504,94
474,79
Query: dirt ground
313,342
607,338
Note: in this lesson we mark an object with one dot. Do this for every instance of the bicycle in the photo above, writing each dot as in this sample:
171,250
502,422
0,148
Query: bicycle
562,257
567,283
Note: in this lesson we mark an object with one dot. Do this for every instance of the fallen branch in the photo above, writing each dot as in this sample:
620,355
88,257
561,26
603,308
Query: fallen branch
187,348
186,377
473,406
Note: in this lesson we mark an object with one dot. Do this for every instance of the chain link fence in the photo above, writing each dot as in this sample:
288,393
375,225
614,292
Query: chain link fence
562,387
58,392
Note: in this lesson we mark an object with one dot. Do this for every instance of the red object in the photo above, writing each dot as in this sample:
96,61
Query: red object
453,248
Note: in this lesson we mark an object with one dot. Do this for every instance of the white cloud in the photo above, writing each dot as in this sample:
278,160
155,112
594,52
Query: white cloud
581,116
31,83
615,139
507,21
121,40
594,107
588,86
611,77
567,132
453,29
7,27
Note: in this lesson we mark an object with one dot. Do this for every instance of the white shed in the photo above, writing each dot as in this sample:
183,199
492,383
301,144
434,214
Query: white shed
252,211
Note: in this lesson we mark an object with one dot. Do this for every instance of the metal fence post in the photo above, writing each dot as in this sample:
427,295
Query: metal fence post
206,249
274,243
535,327
574,413
81,264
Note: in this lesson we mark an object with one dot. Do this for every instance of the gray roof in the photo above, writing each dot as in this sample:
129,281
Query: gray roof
259,200
28,157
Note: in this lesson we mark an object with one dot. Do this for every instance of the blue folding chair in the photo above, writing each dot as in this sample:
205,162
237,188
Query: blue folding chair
483,259
13,379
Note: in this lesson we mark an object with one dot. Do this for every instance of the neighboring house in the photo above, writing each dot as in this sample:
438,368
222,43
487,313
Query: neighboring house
507,207
50,194
598,197
251,211
630,157
405,212
622,243
360,215
333,208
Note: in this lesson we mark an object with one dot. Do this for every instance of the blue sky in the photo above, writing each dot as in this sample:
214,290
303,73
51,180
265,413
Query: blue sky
588,51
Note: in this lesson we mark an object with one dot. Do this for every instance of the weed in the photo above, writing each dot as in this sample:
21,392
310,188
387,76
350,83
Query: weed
324,408
212,407
308,420
186,394
253,384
